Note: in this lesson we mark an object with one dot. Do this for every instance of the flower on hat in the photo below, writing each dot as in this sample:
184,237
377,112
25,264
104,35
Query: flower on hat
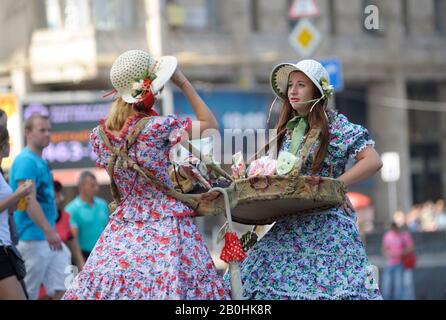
137,85
142,85
327,88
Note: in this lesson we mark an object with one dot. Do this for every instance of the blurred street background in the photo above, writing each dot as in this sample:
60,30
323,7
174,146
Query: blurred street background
386,59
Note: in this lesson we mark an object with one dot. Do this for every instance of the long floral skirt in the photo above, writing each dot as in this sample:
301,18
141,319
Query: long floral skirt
155,259
320,256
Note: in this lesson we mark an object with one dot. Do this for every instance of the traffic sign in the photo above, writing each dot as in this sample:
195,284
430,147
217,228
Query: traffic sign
303,8
334,70
305,38
390,172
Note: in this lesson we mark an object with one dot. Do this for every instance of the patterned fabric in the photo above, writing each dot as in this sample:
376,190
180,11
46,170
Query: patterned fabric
151,248
317,256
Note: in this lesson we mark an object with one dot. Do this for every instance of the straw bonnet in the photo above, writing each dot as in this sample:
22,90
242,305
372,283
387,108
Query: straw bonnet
133,67
311,68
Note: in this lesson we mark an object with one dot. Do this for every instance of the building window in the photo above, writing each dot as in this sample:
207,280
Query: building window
71,14
405,16
77,13
439,16
213,15
193,15
254,10
332,13
114,14
53,14
291,22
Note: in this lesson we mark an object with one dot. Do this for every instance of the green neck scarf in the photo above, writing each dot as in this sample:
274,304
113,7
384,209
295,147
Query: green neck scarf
299,125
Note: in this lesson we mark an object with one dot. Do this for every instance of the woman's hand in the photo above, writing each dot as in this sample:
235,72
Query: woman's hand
209,196
348,206
24,189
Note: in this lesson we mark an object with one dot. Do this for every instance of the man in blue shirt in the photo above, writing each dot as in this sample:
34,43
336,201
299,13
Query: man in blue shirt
45,256
89,214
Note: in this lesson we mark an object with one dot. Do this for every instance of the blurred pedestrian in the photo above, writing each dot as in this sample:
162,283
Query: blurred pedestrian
46,258
409,261
397,280
11,282
63,228
64,231
440,214
88,213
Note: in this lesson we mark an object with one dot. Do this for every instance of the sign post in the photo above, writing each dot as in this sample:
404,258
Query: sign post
334,69
390,173
305,38
303,8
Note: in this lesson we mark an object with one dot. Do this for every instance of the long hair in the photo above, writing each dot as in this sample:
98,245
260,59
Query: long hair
316,118
3,127
119,112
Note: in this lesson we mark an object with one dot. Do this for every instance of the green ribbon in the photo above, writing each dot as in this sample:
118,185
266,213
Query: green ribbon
299,126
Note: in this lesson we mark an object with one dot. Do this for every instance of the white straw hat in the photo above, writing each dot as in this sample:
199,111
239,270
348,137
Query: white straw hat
311,68
132,67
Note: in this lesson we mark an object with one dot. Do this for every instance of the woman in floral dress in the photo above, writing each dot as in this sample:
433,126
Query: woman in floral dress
321,255
151,248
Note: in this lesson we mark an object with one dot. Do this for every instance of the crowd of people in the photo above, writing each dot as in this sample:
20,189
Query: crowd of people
38,238
399,250
429,216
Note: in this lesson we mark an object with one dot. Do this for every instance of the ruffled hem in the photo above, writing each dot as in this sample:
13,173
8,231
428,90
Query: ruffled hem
139,286
147,216
276,285
271,294
137,210
295,274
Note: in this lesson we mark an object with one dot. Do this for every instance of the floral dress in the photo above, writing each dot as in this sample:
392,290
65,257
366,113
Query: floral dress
151,248
316,256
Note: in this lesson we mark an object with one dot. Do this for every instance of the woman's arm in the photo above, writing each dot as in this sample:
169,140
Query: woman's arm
23,190
76,252
206,119
36,214
369,162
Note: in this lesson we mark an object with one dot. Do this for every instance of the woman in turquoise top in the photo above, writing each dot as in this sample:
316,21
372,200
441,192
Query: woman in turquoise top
317,256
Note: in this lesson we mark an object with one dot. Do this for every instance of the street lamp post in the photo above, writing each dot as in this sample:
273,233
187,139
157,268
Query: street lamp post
390,173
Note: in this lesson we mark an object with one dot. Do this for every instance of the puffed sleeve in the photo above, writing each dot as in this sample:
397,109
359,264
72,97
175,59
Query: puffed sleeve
352,137
172,128
100,151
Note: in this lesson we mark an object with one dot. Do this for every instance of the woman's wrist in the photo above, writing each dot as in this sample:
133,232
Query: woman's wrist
342,180
183,83
16,196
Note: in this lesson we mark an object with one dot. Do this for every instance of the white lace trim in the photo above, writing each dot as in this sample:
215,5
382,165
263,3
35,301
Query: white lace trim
365,145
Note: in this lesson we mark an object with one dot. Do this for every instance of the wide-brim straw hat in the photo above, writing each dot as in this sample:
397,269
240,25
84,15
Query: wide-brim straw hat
311,68
135,65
